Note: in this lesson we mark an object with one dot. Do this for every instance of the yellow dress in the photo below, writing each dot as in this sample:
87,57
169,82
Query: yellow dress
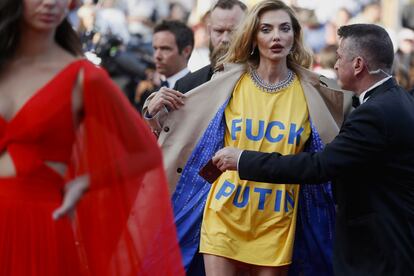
249,221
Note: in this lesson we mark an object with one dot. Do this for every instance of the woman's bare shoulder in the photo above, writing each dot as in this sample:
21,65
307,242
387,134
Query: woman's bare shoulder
58,58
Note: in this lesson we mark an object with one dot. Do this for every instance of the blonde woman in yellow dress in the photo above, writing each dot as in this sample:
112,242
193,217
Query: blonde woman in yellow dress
252,225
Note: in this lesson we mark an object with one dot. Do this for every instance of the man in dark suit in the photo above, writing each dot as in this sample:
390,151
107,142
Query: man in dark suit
173,42
371,161
224,18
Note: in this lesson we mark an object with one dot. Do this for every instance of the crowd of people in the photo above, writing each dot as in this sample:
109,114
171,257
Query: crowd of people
129,19
268,143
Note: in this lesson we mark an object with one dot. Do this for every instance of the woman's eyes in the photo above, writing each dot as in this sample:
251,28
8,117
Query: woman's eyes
284,29
265,30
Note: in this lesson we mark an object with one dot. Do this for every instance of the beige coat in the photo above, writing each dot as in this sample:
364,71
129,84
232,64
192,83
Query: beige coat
180,130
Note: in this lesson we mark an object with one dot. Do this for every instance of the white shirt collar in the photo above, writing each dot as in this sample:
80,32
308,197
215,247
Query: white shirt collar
361,96
174,78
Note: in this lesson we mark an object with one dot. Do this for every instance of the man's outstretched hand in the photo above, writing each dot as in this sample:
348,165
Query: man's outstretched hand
227,158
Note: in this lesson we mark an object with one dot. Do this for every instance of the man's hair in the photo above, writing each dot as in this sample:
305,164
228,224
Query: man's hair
183,34
229,4
370,41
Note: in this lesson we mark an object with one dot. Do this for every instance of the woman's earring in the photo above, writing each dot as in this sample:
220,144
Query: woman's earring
252,52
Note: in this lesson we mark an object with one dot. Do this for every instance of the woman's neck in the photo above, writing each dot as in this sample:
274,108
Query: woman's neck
35,46
272,72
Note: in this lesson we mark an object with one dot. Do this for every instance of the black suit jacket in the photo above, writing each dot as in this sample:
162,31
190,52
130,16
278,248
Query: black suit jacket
194,79
371,163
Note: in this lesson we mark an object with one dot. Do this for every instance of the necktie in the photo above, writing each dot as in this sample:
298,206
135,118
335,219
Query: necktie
165,83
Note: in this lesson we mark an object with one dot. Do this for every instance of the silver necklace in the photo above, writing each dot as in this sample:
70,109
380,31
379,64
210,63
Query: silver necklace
271,87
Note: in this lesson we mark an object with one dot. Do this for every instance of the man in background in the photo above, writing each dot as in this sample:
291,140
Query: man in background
173,42
224,18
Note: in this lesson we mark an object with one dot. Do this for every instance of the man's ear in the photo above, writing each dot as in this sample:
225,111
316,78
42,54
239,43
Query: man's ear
187,51
359,65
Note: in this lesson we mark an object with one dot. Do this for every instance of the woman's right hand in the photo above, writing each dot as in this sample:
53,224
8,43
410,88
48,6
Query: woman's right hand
74,191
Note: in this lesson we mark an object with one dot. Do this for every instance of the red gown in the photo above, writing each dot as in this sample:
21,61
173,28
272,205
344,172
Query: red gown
123,225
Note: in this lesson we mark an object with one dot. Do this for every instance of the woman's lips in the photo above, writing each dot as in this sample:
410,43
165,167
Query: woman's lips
277,48
47,18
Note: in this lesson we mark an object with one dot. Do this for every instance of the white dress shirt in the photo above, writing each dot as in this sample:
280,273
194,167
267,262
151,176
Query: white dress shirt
174,78
362,95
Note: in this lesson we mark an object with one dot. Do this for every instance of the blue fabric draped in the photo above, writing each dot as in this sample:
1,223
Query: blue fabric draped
312,254
313,251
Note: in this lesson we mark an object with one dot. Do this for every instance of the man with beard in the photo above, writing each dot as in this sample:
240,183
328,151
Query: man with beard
224,18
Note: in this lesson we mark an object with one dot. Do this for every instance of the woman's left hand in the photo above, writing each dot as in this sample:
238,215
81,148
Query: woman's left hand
74,191
227,158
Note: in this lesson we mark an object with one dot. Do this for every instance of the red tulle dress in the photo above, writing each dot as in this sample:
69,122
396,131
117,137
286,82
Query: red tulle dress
123,225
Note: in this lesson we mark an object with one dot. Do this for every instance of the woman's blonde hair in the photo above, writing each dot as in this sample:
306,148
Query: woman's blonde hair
241,47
